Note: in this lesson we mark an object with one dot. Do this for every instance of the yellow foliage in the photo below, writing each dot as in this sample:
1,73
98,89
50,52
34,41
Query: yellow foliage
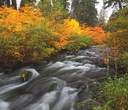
68,29
71,27
16,20
17,56
28,39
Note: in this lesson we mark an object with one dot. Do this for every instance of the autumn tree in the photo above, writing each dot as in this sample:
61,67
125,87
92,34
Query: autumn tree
25,36
97,33
118,37
102,18
30,34
67,29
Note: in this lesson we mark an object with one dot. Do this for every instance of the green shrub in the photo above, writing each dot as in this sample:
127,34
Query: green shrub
122,63
39,42
79,41
118,38
9,47
114,94
27,46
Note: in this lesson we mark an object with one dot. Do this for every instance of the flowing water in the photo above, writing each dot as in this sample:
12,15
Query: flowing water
59,85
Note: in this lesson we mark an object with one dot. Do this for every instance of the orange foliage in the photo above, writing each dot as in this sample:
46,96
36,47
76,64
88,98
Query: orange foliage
71,27
16,20
30,37
68,29
97,33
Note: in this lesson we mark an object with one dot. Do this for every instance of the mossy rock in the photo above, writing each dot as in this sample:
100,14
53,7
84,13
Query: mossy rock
24,75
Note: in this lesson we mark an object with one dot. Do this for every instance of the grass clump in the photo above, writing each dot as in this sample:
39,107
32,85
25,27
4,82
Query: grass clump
114,94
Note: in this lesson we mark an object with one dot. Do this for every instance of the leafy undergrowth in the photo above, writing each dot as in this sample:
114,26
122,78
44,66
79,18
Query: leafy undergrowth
114,94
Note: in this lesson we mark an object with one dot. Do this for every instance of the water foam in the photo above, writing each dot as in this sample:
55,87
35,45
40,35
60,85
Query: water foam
44,102
4,105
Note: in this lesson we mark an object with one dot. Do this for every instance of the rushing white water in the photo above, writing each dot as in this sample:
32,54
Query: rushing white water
4,105
10,87
1,74
33,72
72,63
44,102
75,68
60,85
67,99
79,57
55,65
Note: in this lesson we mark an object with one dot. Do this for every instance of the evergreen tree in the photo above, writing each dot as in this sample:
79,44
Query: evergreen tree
28,2
85,12
54,11
7,3
101,18
1,2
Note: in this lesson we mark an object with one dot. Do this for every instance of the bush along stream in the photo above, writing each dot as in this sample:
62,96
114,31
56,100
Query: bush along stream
69,83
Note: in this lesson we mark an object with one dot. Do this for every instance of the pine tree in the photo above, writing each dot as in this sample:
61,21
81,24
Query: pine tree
85,12
102,18
23,2
54,11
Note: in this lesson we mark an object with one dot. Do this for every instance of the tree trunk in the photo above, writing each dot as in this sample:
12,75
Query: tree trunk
1,3
119,3
14,4
8,3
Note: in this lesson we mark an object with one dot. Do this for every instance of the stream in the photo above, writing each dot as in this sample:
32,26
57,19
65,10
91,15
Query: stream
68,83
